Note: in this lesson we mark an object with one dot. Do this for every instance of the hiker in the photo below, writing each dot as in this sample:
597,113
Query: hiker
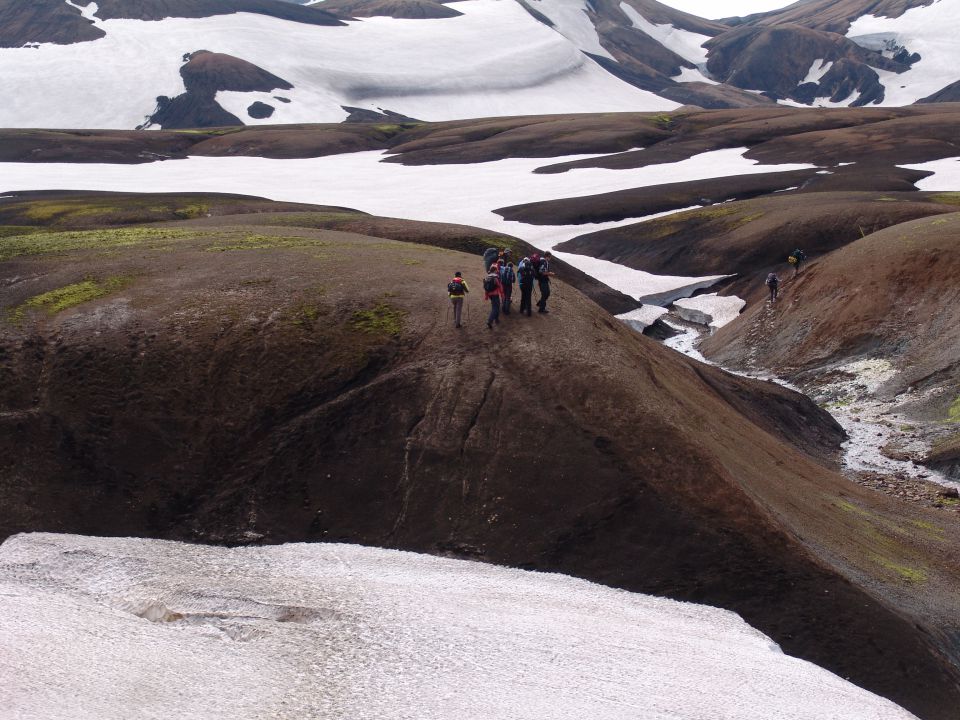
457,289
525,277
490,256
493,291
795,259
507,278
543,280
773,282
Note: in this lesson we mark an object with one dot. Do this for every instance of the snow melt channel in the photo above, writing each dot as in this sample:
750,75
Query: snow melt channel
120,628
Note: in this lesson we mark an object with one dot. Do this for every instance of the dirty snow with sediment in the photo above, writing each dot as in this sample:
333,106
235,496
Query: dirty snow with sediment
114,628
465,194
712,310
494,60
930,31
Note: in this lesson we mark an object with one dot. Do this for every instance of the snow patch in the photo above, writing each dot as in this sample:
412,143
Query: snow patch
712,310
341,631
818,69
946,174
89,12
692,75
931,32
570,19
686,44
643,317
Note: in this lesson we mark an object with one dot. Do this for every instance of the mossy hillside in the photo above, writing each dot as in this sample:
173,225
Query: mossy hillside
713,220
55,301
946,198
382,319
255,241
42,243
88,211
953,414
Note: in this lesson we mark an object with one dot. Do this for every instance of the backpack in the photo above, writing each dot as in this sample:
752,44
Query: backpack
490,283
454,288
507,276
526,272
772,280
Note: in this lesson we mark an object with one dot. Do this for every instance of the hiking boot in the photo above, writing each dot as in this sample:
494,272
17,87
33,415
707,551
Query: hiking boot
543,310
489,326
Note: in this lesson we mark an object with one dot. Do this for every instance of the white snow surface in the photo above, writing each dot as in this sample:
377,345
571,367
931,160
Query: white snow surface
818,69
946,174
493,60
464,194
712,309
643,317
569,18
930,31
105,629
686,44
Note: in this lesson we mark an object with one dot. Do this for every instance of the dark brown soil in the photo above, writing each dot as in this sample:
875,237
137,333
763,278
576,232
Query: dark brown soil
836,15
284,383
160,9
892,294
754,237
408,9
43,21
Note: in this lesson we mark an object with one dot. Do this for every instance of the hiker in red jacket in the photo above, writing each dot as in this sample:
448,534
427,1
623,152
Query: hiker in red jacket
493,291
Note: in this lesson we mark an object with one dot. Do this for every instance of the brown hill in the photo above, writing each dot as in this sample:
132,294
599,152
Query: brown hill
409,9
233,383
892,294
754,237
833,15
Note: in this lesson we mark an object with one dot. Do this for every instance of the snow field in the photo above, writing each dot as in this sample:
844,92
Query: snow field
464,194
930,31
494,60
686,44
711,310
339,631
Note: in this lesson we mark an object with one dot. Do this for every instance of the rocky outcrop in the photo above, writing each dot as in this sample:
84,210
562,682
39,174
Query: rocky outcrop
778,59
43,21
951,93
205,74
160,9
407,9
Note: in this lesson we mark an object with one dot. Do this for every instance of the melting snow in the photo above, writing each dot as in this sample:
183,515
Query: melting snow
686,44
931,32
643,317
107,629
818,69
712,309
464,194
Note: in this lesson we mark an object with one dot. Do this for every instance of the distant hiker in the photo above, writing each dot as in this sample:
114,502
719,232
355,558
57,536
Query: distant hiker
457,289
526,274
796,259
773,282
493,291
490,256
543,280
507,278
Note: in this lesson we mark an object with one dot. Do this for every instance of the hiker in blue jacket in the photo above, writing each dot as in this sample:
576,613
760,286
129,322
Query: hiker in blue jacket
543,279
507,278
526,274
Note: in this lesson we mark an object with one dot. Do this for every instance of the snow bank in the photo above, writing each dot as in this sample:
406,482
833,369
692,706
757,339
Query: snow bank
931,32
643,317
100,629
711,309
686,44
464,194
946,174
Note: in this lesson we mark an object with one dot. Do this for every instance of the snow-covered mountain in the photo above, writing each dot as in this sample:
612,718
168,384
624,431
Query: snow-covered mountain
130,63
143,628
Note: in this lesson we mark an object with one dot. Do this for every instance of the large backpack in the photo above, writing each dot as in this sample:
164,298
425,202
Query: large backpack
526,273
454,288
490,283
772,279
507,276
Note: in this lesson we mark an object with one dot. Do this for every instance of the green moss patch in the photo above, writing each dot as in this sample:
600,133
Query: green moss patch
953,414
947,198
68,296
904,572
260,242
383,319
40,243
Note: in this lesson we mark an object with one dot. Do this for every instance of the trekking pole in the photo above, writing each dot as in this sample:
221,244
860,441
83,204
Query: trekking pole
446,318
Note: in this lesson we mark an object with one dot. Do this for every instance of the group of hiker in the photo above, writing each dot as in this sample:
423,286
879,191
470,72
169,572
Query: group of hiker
498,284
796,258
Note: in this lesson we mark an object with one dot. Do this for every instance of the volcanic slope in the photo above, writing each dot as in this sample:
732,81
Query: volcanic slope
892,294
238,383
